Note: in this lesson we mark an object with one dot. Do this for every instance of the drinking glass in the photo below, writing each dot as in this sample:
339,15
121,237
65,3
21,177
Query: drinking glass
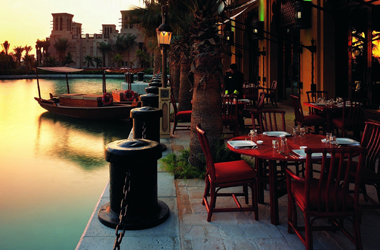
253,134
296,131
275,144
302,131
328,137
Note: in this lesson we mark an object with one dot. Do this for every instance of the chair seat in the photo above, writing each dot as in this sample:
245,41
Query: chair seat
184,112
313,119
233,171
299,196
368,175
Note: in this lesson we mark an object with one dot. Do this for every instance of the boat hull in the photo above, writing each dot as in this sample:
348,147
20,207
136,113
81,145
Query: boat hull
115,112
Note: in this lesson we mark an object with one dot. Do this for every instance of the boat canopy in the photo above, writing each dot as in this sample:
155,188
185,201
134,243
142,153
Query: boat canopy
61,69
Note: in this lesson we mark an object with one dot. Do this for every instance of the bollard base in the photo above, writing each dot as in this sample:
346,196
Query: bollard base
111,219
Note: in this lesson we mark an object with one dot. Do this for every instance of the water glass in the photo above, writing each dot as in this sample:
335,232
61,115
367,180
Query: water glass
302,131
296,131
275,144
328,137
253,134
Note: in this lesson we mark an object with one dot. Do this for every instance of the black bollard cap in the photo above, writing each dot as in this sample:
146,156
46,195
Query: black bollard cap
146,111
123,150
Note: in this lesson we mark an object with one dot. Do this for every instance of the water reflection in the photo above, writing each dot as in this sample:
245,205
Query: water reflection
52,167
77,140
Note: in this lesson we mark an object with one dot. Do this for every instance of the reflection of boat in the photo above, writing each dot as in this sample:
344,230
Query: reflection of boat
82,105
80,141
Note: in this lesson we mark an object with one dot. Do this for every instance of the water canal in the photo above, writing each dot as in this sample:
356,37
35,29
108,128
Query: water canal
52,168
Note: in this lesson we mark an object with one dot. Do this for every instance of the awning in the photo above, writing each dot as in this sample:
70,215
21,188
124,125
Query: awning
238,10
61,69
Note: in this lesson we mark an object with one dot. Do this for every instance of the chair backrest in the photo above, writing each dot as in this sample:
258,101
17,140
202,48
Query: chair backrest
298,112
335,177
371,141
260,101
273,87
230,109
312,96
210,167
352,114
271,120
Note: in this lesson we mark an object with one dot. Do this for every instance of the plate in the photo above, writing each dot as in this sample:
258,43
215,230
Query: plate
244,100
241,144
318,104
347,141
276,133
302,155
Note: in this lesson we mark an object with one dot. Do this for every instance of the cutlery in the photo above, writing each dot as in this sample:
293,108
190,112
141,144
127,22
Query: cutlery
283,154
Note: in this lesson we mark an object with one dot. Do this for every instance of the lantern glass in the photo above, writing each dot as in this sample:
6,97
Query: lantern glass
164,37
299,14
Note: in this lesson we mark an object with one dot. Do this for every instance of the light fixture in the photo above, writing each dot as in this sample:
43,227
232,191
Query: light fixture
302,14
164,34
258,30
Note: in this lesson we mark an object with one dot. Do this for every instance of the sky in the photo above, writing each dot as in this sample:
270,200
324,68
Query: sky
22,22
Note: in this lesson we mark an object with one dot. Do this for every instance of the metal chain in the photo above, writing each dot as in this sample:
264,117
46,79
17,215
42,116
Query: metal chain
123,212
143,133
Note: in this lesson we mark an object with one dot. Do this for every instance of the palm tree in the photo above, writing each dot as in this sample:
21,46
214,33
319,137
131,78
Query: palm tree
6,46
129,43
104,48
27,49
67,60
149,18
118,59
50,61
206,69
119,44
28,61
143,57
98,61
89,60
61,46
18,53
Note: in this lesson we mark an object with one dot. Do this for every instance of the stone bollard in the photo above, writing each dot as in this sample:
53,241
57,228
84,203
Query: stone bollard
144,210
146,123
152,90
149,100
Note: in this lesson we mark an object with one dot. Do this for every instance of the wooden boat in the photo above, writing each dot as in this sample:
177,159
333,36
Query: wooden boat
84,106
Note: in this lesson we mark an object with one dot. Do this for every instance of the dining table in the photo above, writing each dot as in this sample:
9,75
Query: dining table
262,149
328,109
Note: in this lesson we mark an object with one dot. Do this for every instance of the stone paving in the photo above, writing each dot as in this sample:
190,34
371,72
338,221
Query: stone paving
187,228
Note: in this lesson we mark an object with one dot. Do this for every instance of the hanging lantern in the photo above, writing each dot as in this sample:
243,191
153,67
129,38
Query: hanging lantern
302,14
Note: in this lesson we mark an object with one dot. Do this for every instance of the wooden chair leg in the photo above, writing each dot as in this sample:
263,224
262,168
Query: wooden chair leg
308,234
207,189
212,203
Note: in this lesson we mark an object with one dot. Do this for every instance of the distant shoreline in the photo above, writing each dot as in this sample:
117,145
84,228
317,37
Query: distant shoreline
52,76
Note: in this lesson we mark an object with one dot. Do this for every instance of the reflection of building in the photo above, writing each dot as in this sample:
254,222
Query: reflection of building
82,45
344,33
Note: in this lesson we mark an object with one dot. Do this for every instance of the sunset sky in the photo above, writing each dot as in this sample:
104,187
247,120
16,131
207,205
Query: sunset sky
22,22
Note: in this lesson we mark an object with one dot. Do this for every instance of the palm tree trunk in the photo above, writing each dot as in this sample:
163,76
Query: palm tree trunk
157,61
207,111
185,96
175,71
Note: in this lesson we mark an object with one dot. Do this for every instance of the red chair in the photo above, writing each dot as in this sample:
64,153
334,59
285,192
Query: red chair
184,115
273,120
306,120
224,175
270,93
370,173
230,114
351,120
327,195
313,96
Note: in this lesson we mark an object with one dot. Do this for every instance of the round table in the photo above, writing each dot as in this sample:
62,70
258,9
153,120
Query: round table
265,151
